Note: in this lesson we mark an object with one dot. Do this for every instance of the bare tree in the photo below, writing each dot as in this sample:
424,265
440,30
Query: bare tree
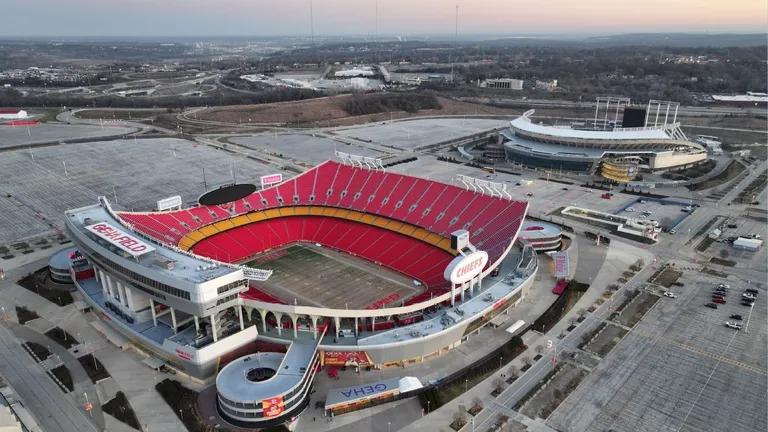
724,253
539,349
477,402
513,371
582,313
526,360
459,418
498,384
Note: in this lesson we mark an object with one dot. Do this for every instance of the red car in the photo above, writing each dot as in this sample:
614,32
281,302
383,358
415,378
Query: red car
719,300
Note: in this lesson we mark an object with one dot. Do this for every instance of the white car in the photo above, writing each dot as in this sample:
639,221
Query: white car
630,209
733,325
725,286
749,296
670,294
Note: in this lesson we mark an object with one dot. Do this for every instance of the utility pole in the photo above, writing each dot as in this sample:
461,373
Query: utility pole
455,39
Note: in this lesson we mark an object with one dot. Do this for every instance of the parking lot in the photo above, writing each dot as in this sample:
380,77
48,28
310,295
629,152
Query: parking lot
42,133
669,212
39,185
300,147
680,369
423,132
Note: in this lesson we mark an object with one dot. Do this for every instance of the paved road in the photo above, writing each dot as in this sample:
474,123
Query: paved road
42,397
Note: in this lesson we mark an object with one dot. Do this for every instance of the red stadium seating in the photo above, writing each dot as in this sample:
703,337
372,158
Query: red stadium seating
440,208
396,251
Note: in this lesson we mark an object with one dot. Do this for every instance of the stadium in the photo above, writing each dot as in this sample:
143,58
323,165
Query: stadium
346,264
646,139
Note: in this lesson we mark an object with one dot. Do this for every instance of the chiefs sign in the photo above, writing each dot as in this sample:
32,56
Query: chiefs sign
273,406
464,268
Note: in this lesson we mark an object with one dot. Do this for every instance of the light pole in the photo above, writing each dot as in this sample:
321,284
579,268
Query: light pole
428,407
389,426
472,420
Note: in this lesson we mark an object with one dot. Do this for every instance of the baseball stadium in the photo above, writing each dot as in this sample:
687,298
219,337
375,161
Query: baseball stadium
618,144
345,264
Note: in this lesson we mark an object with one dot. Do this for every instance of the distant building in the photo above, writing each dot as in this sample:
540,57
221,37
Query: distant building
362,71
12,114
751,98
546,85
502,83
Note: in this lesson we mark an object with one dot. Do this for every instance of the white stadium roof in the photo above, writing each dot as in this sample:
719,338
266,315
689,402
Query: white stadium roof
526,125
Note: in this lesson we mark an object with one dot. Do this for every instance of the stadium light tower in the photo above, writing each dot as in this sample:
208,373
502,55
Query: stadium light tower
311,23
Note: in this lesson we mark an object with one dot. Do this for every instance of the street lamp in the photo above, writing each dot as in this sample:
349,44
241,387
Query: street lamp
389,426
428,407
472,420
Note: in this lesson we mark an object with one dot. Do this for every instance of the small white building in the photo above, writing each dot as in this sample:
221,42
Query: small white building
12,114
502,83
748,244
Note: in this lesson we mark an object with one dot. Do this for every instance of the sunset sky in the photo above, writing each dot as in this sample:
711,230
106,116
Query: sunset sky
399,17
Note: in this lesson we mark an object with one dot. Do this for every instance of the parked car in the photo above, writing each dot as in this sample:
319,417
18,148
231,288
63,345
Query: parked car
749,296
736,317
711,305
722,285
719,300
630,209
751,291
670,294
732,325
746,303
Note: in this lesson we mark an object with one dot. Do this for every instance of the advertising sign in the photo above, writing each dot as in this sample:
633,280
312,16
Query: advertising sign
120,238
562,267
464,268
273,406
169,203
271,179
183,354
342,358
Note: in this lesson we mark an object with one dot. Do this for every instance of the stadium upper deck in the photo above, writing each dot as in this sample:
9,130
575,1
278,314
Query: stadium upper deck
660,147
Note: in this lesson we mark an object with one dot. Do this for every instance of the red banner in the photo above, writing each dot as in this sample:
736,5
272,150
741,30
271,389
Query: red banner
273,406
342,358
